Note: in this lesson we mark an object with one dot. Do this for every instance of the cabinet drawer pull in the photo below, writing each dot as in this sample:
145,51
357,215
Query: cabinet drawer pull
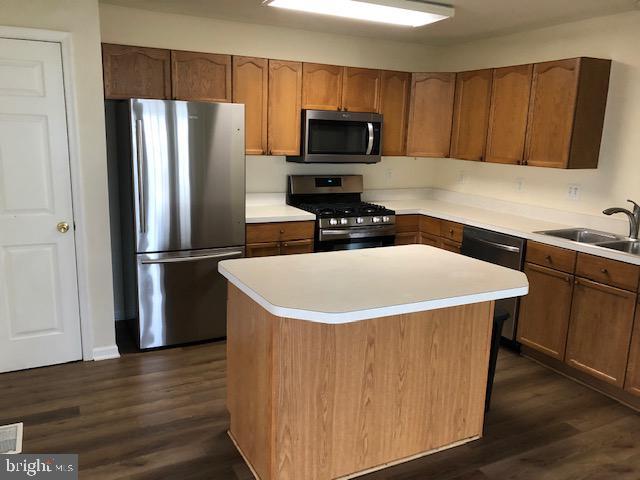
548,259
604,270
281,231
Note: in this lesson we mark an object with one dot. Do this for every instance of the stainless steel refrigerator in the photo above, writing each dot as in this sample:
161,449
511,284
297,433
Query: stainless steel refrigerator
181,193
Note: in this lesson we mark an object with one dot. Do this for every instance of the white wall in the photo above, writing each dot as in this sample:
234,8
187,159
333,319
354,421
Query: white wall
182,32
618,175
80,17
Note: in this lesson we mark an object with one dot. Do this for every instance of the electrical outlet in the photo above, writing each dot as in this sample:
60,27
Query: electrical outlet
462,178
573,193
519,184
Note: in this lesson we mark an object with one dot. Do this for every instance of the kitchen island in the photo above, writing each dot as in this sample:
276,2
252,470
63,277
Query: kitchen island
346,362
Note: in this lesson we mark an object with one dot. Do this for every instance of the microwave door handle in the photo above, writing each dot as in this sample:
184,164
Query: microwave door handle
370,144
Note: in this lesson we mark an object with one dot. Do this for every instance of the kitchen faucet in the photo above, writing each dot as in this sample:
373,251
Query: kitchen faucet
634,217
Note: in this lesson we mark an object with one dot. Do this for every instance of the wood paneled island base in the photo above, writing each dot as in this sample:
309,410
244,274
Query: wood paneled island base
315,401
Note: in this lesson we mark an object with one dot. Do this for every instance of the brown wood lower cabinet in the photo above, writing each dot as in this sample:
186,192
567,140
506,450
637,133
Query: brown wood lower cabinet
279,238
296,246
632,381
264,249
544,313
600,330
407,238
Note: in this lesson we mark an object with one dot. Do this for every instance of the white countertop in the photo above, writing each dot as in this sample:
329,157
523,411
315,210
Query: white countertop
276,213
516,225
352,285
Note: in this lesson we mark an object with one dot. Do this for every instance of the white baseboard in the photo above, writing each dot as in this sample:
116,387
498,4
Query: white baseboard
105,353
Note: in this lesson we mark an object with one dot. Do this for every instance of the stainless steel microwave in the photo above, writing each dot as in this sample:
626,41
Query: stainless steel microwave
340,137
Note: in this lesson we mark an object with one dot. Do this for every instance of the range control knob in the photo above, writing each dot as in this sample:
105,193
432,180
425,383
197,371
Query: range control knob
376,219
333,221
386,219
359,220
343,221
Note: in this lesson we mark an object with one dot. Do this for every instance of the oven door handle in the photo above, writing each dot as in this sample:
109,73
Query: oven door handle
371,138
364,232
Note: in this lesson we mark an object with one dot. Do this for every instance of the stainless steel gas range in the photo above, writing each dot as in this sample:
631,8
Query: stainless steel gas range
343,220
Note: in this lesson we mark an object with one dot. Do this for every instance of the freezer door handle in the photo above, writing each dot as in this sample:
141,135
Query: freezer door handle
196,258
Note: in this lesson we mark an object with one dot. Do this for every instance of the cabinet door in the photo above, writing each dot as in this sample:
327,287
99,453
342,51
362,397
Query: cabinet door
551,113
449,245
632,381
430,114
429,239
136,72
321,86
285,94
394,107
201,76
251,87
544,313
361,90
600,330
294,247
510,94
407,238
471,114
263,249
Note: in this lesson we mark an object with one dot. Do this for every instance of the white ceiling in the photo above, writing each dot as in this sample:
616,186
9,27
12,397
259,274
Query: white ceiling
473,19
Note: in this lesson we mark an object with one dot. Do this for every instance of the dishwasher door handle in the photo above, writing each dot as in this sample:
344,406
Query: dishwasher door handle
501,246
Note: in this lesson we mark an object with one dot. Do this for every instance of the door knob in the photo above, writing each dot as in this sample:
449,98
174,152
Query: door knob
63,227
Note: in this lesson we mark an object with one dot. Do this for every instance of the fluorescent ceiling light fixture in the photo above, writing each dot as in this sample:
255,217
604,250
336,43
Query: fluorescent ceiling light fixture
410,13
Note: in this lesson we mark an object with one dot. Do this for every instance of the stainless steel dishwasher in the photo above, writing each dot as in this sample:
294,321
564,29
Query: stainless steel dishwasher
499,249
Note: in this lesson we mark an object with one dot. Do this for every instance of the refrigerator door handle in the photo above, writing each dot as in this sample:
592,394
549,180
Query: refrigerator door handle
140,157
192,259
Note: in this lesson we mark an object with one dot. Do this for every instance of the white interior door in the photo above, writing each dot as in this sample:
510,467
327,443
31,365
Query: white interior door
39,314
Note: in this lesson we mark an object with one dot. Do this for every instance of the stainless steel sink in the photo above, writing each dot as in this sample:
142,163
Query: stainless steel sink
583,235
627,246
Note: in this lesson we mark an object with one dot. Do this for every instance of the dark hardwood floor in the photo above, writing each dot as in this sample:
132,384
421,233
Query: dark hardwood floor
161,415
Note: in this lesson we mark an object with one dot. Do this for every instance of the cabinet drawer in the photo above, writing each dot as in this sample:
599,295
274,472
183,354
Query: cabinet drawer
609,272
552,257
276,232
451,230
407,223
430,225
293,247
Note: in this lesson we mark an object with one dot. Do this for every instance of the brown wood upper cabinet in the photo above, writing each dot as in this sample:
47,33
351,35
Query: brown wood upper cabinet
566,113
200,76
395,89
510,94
136,72
471,114
544,314
361,90
430,114
251,87
600,330
285,95
322,86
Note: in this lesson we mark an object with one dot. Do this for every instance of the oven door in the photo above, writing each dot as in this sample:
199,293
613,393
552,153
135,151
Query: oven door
342,137
355,238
